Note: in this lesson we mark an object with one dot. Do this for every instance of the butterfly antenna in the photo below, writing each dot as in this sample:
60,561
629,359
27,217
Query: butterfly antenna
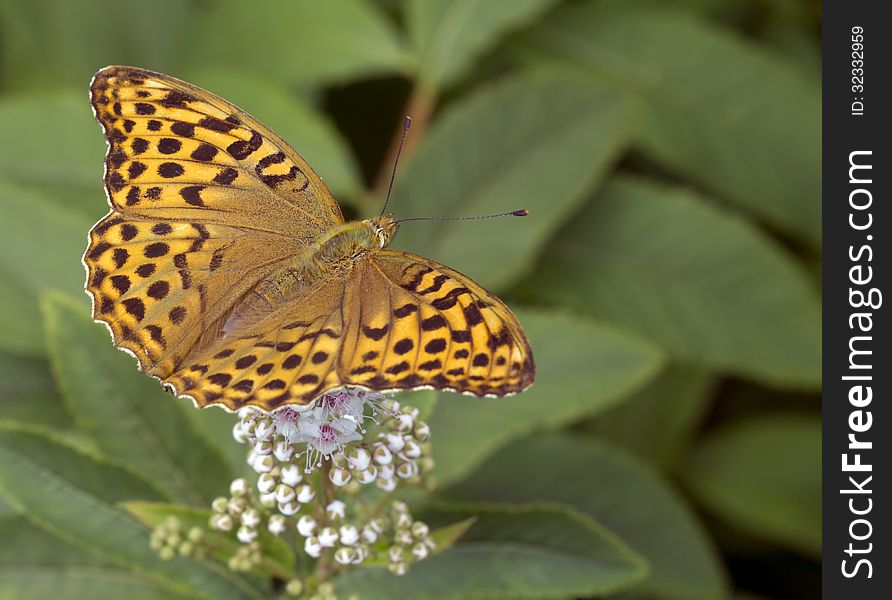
511,213
396,161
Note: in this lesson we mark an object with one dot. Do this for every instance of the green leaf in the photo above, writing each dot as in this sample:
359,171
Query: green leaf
763,476
56,43
40,583
617,491
58,149
127,413
528,552
29,395
278,560
40,249
582,368
306,128
700,282
25,545
297,41
722,111
73,495
658,422
448,35
537,142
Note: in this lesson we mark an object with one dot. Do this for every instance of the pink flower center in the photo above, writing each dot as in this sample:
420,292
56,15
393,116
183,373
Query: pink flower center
327,433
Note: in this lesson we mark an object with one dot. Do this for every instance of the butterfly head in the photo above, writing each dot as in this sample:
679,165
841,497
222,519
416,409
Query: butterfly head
384,227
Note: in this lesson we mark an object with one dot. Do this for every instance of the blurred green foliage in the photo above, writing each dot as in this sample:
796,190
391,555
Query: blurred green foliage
669,154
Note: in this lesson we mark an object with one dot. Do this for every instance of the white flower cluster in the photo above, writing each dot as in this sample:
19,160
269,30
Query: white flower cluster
289,446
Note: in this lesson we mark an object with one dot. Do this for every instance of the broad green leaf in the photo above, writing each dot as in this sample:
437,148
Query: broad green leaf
307,129
40,583
705,285
720,110
25,545
582,368
58,149
126,413
448,35
620,493
658,422
278,560
73,495
55,43
40,249
529,552
534,142
297,41
28,393
763,476
19,317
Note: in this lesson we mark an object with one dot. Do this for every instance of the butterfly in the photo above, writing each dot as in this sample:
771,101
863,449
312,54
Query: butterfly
225,267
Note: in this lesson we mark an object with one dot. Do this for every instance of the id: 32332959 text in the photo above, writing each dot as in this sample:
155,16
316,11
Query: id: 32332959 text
857,70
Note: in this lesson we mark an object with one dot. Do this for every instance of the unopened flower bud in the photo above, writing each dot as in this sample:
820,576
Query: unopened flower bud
283,451
305,493
288,508
167,553
348,534
367,476
266,483
221,522
362,553
420,530
236,506
420,551
294,588
404,422
276,524
395,553
359,458
246,535
306,525
386,485
382,455
395,442
386,472
219,504
251,518
402,520
339,476
422,431
263,464
263,429
238,434
263,448
313,547
399,507
407,469
336,509
291,474
268,500
412,448
402,537
369,535
345,555
238,487
186,549
391,406
328,537
284,493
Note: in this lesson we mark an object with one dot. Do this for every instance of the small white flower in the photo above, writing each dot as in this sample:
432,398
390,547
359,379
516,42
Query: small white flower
349,534
404,422
266,483
361,553
336,509
238,487
290,474
263,429
288,508
276,524
263,448
313,547
251,518
323,436
367,476
283,451
328,537
306,525
236,506
246,535
395,553
287,423
382,454
339,476
402,537
345,555
219,504
284,493
395,441
403,520
305,493
387,485
268,500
